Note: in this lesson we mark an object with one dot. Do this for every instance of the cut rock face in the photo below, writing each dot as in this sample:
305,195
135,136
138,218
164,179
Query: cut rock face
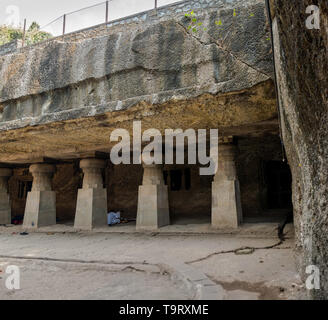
155,70
301,61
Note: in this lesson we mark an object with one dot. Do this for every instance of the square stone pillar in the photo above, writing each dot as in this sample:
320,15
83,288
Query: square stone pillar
40,209
153,200
5,206
91,207
226,202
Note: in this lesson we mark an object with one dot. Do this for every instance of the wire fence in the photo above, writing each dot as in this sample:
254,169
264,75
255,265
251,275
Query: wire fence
97,14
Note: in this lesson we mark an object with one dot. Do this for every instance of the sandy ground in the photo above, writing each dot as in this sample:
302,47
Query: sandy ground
115,265
66,281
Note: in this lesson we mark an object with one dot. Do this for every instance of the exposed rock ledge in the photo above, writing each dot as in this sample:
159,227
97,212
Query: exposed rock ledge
215,78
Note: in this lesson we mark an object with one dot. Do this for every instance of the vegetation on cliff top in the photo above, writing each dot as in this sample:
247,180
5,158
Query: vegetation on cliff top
33,34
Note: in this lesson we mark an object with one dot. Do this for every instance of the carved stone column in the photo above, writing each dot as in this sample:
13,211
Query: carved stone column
91,207
226,204
153,203
40,209
5,206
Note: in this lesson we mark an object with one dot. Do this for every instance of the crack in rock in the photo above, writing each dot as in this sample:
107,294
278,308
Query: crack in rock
213,41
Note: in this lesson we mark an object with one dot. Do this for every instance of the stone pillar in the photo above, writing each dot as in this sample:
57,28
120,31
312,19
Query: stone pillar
40,209
226,204
153,200
5,207
91,207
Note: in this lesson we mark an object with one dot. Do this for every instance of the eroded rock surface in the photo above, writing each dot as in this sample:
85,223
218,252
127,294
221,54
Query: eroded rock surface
302,64
153,69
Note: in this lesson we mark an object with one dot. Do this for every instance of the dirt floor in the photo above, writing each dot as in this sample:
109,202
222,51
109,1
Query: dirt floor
122,266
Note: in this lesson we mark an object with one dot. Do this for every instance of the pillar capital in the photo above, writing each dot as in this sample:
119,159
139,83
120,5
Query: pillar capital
91,206
42,174
40,209
153,175
92,173
92,163
158,166
227,152
42,168
226,163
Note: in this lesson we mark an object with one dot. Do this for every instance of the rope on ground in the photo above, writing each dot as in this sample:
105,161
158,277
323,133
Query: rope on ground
238,251
251,250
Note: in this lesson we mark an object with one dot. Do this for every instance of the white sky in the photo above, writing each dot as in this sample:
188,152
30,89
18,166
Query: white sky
45,11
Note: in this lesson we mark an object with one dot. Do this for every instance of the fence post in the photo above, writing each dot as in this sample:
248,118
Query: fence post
24,33
64,23
155,4
107,9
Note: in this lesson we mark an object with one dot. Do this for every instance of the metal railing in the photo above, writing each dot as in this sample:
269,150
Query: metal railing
101,13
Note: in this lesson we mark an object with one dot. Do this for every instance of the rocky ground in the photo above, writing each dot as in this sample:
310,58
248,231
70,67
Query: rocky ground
144,266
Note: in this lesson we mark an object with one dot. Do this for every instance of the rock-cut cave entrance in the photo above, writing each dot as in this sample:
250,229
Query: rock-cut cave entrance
278,180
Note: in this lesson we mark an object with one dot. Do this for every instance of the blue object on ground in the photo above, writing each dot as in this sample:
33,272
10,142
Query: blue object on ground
113,218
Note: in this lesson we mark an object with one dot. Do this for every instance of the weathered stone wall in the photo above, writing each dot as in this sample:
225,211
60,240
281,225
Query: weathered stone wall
66,181
149,17
123,182
66,95
155,62
302,64
10,47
